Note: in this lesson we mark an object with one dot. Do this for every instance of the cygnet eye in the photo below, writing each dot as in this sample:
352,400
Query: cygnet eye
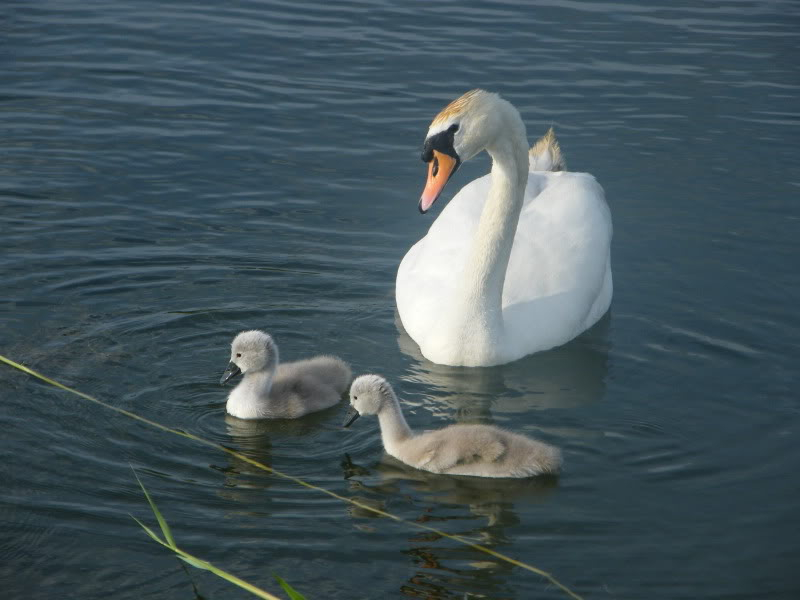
238,355
355,397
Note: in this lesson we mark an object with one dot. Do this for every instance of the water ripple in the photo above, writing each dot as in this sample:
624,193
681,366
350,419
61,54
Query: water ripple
170,175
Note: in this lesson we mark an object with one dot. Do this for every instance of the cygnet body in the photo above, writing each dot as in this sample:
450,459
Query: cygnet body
477,450
269,390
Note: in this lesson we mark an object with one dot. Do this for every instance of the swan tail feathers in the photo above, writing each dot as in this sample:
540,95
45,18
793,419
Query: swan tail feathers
545,154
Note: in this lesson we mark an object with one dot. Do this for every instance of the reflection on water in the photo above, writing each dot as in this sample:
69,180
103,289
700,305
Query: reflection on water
565,377
249,435
484,496
438,580
456,489
475,508
254,439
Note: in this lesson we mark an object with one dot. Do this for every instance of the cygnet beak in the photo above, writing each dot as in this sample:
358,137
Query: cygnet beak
352,415
232,371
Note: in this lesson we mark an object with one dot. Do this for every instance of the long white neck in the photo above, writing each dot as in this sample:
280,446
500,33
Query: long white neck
394,428
481,291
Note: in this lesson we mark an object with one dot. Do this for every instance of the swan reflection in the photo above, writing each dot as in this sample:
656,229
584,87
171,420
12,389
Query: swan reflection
254,439
478,509
566,377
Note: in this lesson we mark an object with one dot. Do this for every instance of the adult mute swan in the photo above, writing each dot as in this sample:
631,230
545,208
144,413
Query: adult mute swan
478,450
280,391
519,260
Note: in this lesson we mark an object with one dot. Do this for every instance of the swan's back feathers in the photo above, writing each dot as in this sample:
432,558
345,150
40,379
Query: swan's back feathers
480,450
329,370
306,386
545,154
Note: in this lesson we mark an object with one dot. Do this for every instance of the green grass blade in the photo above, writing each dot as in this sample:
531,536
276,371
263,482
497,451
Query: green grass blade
161,522
195,562
230,577
241,583
150,532
293,594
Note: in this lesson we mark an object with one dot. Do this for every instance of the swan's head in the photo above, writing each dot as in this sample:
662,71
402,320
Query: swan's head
465,127
251,351
368,395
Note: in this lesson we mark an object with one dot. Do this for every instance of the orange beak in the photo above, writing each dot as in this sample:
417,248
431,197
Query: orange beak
440,169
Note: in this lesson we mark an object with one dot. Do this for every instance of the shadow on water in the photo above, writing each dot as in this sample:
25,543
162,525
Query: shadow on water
478,509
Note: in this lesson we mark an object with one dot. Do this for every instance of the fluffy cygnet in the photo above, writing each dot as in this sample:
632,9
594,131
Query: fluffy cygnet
479,450
270,390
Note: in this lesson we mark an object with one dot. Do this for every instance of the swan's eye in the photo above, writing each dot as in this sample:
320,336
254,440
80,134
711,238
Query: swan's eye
238,355
355,397
435,170
453,128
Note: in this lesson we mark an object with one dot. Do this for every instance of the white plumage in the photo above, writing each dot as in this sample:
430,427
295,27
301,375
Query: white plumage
519,260
270,390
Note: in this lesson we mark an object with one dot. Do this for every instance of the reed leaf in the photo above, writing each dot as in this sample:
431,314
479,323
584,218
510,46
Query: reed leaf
149,531
161,521
199,563
293,594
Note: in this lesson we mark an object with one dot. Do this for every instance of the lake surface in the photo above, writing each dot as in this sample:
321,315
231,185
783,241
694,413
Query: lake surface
172,173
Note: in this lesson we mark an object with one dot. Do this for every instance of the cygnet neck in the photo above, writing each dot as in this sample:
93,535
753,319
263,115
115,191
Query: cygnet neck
260,380
394,428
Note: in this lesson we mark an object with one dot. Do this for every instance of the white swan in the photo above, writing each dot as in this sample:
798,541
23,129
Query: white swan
270,390
519,261
478,450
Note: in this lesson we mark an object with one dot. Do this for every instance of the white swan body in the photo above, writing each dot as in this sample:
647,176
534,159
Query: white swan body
477,450
270,390
518,261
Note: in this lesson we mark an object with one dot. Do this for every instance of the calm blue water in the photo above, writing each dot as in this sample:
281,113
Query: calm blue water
172,173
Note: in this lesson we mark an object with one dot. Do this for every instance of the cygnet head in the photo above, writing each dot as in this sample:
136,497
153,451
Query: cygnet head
466,126
251,351
368,395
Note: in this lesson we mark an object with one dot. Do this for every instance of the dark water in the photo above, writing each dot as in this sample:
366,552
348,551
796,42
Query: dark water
172,173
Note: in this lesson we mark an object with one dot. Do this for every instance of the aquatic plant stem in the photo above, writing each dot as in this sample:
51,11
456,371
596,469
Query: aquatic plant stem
199,563
263,467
